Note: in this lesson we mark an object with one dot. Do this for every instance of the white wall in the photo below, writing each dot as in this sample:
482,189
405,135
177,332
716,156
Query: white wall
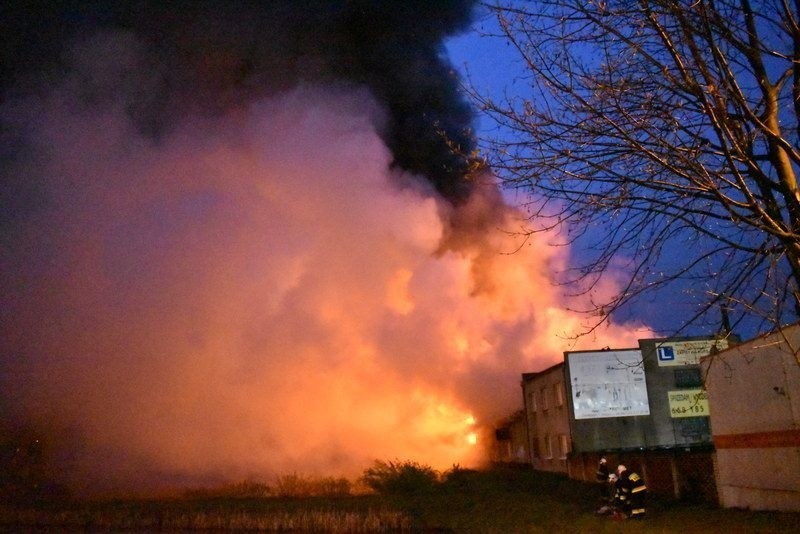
754,398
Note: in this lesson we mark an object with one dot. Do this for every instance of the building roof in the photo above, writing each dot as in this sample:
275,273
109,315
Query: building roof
745,344
531,376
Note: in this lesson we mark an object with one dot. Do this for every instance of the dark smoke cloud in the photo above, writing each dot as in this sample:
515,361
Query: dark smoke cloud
214,55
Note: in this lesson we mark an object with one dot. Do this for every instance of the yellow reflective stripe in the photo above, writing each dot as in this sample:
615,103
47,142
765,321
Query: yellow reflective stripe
634,477
640,488
637,511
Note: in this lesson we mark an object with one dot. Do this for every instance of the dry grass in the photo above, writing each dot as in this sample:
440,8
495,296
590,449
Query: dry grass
225,514
499,501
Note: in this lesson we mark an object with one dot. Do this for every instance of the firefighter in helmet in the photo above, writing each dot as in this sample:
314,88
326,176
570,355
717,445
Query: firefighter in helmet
601,476
630,492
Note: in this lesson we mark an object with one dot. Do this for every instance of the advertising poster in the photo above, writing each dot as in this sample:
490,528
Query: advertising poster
688,403
608,384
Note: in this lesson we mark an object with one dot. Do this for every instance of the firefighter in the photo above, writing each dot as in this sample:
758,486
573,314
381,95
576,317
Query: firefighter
601,476
608,507
630,492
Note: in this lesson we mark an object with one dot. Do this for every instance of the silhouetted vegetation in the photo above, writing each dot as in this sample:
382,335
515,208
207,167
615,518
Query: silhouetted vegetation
416,499
389,478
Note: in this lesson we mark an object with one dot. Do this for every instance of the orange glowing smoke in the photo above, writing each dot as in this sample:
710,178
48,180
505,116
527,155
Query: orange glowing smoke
258,293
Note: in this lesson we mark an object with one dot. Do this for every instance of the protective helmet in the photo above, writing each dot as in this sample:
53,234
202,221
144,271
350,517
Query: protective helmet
621,468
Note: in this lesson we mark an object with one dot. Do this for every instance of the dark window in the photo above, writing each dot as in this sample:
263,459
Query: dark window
694,427
502,434
688,378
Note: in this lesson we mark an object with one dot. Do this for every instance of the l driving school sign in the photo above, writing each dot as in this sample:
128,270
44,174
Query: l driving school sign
687,352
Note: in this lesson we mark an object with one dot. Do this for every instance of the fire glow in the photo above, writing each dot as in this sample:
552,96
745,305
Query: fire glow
259,293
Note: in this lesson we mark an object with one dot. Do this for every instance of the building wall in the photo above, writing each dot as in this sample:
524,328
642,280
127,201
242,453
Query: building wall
754,395
663,378
547,417
661,428
670,445
675,473
603,433
668,442
511,441
520,454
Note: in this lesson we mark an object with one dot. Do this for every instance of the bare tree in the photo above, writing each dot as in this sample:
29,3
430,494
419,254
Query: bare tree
662,137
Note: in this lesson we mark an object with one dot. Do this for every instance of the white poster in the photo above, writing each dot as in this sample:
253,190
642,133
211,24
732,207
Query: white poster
608,383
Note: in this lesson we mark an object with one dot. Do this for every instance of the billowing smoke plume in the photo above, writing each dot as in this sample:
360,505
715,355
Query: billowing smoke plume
222,260
211,56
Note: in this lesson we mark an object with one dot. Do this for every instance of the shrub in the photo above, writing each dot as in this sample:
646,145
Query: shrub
460,479
400,477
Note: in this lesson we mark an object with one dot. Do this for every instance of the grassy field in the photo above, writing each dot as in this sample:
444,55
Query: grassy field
500,501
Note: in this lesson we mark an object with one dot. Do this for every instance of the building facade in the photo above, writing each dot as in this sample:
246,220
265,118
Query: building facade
642,406
547,418
511,440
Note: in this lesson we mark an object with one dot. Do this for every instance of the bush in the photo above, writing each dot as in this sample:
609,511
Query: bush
400,477
459,478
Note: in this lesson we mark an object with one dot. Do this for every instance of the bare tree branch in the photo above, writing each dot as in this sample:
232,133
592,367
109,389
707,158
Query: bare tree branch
658,126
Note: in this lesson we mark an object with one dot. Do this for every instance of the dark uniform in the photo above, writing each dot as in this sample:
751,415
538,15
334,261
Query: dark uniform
630,493
602,479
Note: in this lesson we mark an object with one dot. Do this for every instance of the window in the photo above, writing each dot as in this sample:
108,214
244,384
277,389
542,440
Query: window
694,427
545,399
502,434
536,452
534,402
558,389
563,442
547,448
688,378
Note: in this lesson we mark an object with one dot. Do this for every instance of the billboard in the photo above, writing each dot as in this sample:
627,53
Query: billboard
608,383
687,352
